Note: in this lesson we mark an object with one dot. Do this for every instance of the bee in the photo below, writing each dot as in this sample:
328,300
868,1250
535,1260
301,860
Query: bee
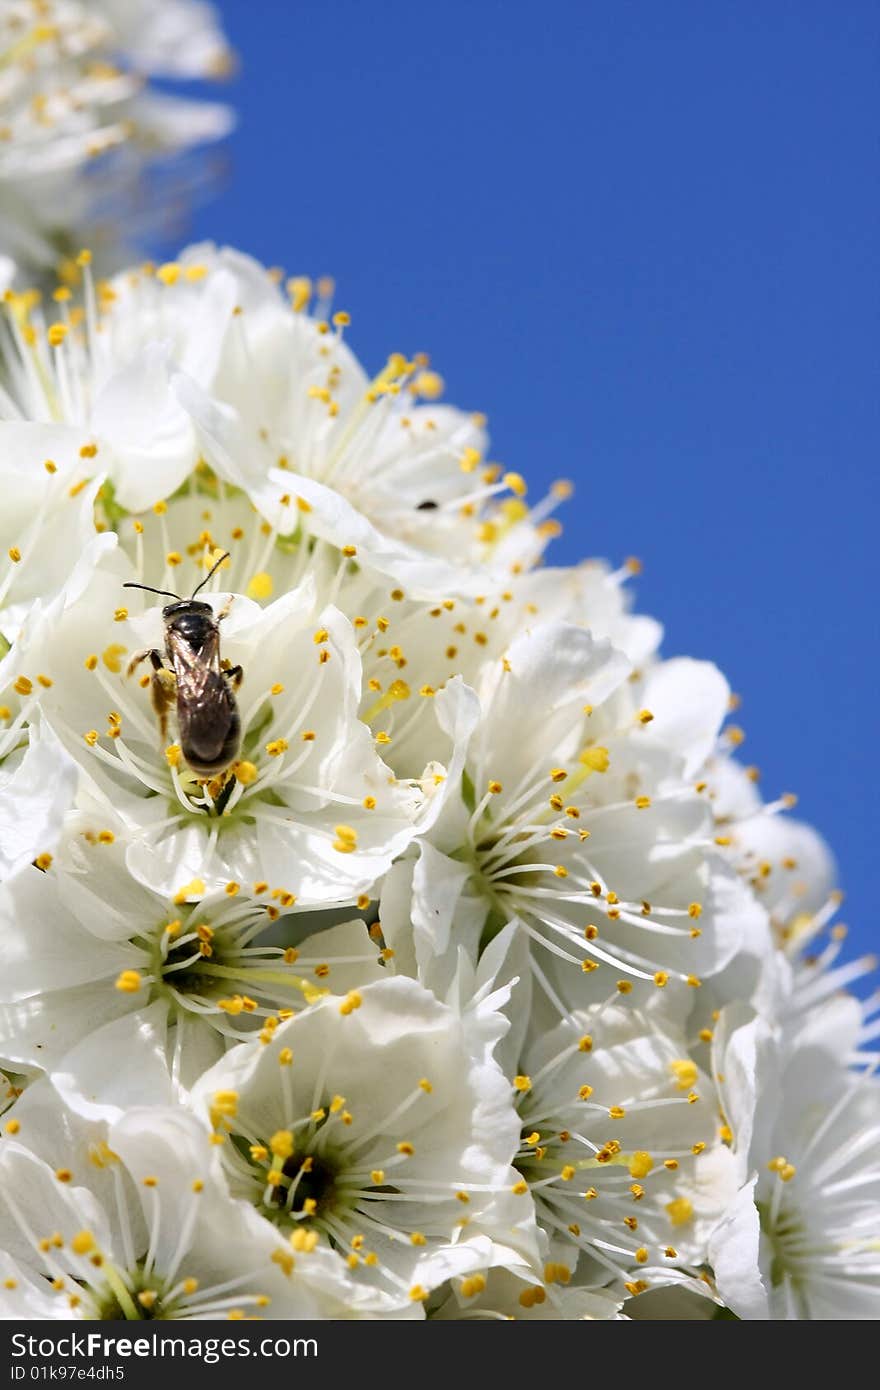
201,685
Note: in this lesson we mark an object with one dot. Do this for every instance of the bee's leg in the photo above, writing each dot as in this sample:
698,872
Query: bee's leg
163,694
155,658
224,611
224,793
235,674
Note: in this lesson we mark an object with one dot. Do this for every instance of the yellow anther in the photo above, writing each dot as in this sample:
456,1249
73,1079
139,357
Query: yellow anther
56,334
661,979
532,1296
640,1164
471,1286
300,290
129,981
616,1112
169,273
522,1083
194,889
245,772
643,802
596,759
276,747
470,459
225,1103
679,1210
351,1002
281,1144
684,1071
260,585
112,657
516,482
346,839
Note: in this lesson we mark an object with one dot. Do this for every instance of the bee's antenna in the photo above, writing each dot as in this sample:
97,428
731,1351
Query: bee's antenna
147,589
216,565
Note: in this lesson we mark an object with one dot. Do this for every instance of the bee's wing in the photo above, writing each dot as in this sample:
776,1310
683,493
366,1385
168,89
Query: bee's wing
194,669
206,709
206,723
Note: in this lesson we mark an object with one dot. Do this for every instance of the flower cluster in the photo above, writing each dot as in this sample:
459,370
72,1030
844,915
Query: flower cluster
388,929
80,127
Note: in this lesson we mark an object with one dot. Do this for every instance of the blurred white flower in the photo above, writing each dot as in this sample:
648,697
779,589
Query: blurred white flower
74,95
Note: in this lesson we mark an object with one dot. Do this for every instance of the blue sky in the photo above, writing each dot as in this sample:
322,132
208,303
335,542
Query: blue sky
642,238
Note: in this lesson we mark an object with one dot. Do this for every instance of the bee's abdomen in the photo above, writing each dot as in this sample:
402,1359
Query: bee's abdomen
210,731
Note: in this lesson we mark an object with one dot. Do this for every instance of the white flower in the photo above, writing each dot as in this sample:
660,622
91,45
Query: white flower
178,38
100,371
576,819
206,358
73,91
37,785
47,527
38,780
782,965
590,595
308,806
619,1147
509,1292
84,944
132,1220
802,1238
378,1125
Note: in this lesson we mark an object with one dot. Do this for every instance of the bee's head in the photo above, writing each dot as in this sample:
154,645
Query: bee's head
185,607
